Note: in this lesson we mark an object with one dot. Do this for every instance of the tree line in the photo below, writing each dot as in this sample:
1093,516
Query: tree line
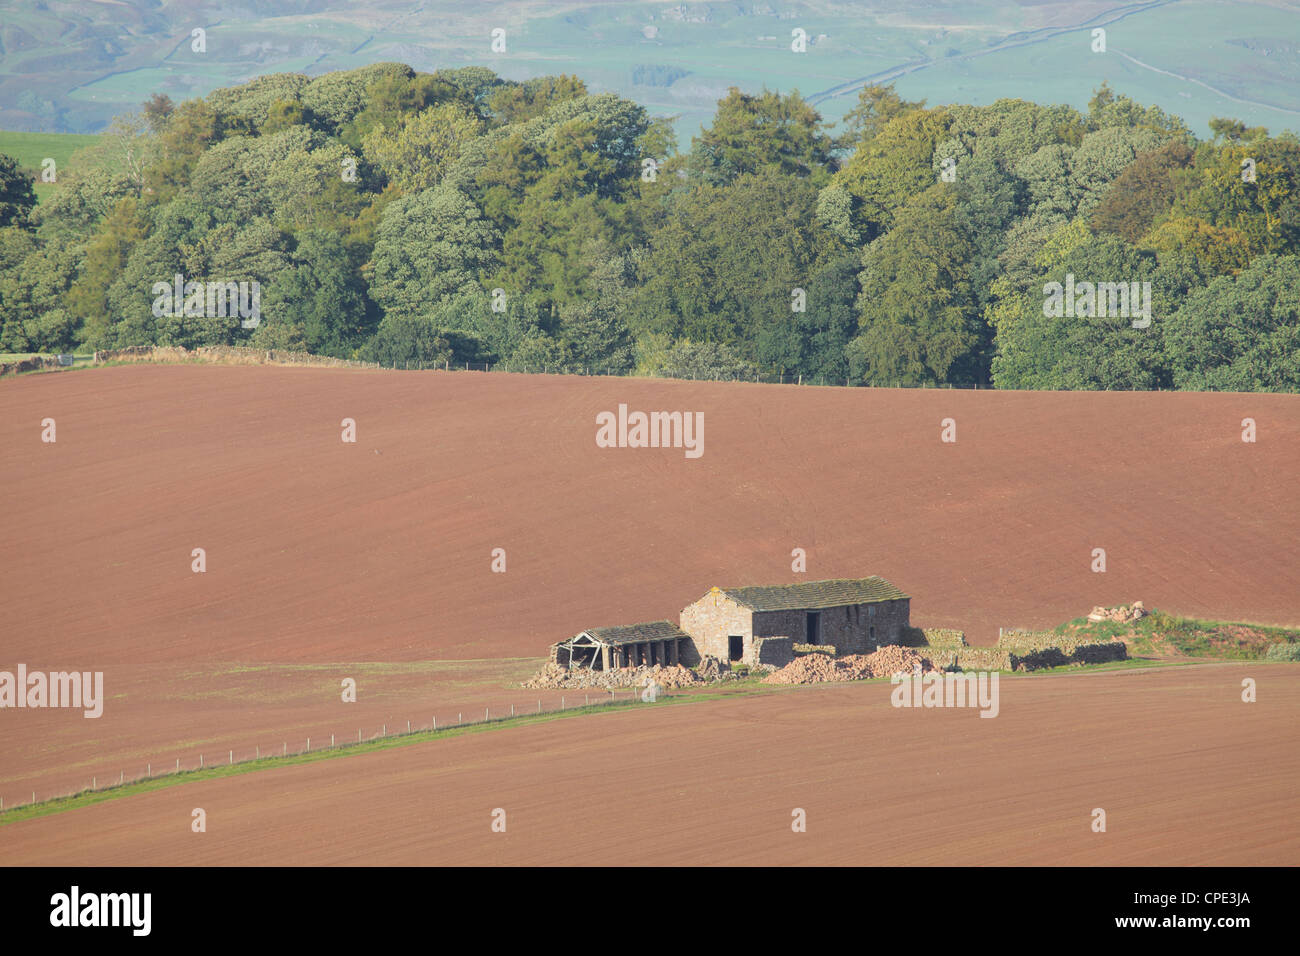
455,216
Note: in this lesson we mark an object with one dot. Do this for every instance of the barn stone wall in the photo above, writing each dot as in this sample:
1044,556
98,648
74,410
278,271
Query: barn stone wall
688,654
777,651
714,618
848,628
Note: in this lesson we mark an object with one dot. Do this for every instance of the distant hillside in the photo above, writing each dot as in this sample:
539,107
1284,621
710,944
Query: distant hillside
71,67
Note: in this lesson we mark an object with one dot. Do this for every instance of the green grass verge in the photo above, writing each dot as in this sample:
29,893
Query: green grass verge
1162,633
87,798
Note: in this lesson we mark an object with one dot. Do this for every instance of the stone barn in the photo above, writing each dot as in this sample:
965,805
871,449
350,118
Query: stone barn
629,645
760,625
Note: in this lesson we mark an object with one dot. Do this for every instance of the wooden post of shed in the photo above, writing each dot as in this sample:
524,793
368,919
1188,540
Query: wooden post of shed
604,657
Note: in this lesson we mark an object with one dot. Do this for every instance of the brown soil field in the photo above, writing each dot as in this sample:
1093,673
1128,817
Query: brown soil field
379,553
160,713
1186,772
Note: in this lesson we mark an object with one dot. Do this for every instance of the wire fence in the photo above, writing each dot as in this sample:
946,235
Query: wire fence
208,760
763,378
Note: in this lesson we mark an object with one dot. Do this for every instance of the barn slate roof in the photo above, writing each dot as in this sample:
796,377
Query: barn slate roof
812,595
637,633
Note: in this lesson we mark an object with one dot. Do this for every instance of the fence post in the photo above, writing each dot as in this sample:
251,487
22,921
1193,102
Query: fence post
309,744
435,722
259,751
200,761
458,717
178,764
384,732
408,726
94,782
232,757
148,772
561,702
539,705
331,741
285,751
512,710
485,713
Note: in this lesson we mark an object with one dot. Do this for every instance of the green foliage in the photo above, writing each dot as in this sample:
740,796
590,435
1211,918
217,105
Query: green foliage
594,333
425,217
1109,109
1144,191
519,102
1036,350
417,155
703,360
1283,652
255,100
17,195
876,106
417,342
1242,334
764,133
892,167
336,98
1266,211
916,311
430,246
725,261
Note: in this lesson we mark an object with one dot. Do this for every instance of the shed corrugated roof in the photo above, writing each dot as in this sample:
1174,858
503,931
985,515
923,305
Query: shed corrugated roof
637,633
812,595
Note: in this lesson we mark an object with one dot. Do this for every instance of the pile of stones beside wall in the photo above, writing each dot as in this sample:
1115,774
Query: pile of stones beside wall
818,668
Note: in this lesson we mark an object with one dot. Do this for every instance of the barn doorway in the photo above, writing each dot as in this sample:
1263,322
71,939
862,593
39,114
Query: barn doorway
586,657
735,647
814,627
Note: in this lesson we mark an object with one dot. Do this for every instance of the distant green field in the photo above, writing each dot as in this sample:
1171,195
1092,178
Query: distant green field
30,149
1195,58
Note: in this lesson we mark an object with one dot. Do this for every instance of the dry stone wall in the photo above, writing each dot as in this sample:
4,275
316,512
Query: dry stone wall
224,354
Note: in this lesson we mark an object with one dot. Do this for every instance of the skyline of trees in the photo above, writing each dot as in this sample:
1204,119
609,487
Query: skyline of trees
456,216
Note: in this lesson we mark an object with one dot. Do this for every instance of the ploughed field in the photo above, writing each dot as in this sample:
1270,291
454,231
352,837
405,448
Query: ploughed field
1186,773
320,552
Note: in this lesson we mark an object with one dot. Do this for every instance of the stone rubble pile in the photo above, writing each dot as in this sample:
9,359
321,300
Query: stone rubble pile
816,668
892,659
1124,614
553,676
714,669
